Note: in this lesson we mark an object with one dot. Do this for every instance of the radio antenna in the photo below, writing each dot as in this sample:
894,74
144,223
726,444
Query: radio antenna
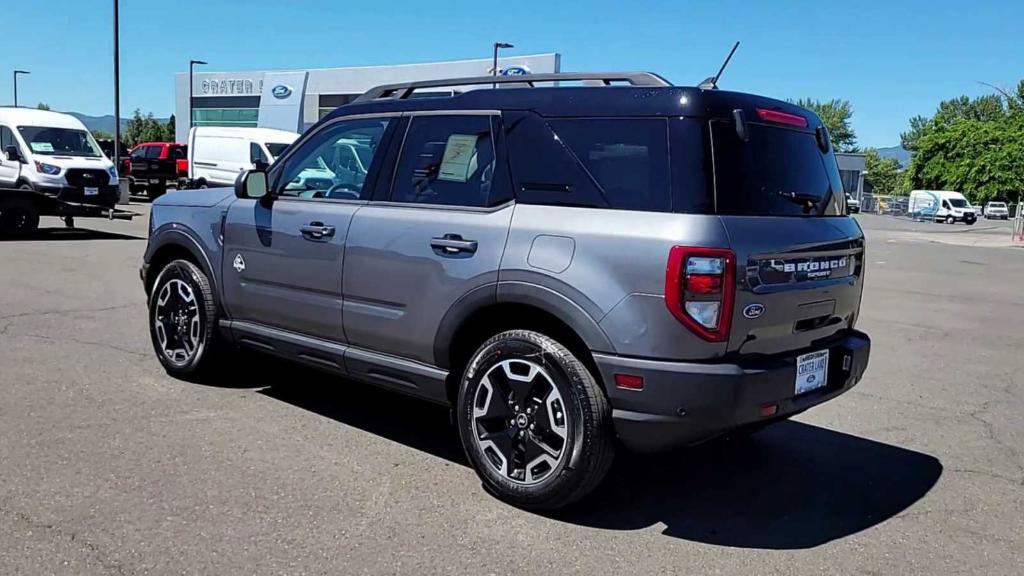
711,83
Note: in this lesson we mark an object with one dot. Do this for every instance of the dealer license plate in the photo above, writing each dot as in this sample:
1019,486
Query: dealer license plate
91,191
811,371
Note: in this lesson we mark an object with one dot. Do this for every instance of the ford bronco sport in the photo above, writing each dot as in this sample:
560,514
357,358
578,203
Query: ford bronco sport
570,268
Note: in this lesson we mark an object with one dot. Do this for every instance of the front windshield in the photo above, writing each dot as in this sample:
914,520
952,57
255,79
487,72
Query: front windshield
276,149
60,141
959,203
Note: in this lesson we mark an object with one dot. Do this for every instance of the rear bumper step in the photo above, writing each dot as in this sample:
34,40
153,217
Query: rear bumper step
684,403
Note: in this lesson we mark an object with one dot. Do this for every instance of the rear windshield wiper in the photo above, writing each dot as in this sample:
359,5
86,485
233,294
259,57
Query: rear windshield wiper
808,201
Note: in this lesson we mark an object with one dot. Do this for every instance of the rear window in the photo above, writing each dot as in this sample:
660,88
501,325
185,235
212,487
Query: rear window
776,172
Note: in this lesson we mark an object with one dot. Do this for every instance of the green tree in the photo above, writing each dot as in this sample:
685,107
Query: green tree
42,106
835,114
134,132
884,174
169,130
975,146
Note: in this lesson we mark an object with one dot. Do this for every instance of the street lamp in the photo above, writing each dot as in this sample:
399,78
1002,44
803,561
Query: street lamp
191,64
16,72
494,70
117,90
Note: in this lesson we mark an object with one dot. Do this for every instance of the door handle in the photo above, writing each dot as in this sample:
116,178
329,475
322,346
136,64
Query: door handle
453,244
317,231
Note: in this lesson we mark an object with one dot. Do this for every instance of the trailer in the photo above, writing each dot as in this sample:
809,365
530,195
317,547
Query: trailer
21,208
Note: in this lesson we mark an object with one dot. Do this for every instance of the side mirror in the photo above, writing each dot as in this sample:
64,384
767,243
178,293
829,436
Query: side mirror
251,184
12,154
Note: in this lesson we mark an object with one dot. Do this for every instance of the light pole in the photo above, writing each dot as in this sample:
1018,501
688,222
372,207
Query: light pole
16,72
494,70
117,91
191,64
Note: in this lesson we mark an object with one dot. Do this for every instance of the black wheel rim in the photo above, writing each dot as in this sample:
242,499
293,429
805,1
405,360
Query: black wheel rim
519,421
177,322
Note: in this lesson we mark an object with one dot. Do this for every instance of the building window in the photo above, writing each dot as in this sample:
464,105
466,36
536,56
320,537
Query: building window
851,181
238,117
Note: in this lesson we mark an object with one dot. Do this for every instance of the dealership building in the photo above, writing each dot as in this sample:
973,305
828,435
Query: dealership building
296,99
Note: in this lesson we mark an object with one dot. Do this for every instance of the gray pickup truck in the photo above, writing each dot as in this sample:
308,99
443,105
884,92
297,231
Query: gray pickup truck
570,268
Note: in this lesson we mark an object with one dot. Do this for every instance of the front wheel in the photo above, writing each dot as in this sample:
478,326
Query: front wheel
950,220
533,421
183,320
18,217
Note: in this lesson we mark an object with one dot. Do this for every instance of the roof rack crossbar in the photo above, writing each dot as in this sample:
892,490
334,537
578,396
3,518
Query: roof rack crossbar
404,90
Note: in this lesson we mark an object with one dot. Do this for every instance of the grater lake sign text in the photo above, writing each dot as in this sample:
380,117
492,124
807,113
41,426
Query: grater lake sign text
232,87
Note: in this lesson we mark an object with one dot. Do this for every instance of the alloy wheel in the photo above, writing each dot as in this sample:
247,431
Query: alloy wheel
520,421
176,321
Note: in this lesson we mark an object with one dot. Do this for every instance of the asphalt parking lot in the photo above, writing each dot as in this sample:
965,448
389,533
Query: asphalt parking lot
108,466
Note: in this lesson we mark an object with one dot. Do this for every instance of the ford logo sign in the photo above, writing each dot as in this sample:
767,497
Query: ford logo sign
515,71
753,311
281,91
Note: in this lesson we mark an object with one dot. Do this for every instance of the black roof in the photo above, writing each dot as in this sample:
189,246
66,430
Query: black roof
649,96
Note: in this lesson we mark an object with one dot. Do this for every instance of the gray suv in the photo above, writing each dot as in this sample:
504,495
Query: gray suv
571,262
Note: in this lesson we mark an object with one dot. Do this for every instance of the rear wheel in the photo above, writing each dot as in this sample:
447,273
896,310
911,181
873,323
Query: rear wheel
183,320
534,423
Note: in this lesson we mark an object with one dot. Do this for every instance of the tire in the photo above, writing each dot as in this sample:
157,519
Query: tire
950,220
18,217
154,191
183,321
537,455
69,221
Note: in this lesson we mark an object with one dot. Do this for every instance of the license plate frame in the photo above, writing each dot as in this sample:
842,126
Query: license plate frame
811,372
91,191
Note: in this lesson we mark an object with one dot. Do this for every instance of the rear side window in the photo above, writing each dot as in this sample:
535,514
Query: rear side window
776,172
616,163
153,151
626,158
446,160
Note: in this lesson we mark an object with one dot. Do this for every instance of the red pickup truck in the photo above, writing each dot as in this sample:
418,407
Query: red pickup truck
154,164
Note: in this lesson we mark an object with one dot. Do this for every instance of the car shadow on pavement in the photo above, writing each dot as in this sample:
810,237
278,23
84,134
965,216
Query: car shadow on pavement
408,421
69,235
792,486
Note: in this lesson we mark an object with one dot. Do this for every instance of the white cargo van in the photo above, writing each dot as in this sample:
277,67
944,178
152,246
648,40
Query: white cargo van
217,155
941,206
55,154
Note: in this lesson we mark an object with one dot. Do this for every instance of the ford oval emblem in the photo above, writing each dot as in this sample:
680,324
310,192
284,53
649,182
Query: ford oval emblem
515,71
753,311
281,91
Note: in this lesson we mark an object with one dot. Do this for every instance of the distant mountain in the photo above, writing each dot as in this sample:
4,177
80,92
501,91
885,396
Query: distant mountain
105,123
896,152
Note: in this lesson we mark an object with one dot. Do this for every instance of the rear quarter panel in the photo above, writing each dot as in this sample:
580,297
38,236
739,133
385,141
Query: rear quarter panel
611,264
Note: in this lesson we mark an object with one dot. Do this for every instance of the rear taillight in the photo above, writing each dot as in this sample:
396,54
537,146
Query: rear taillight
700,285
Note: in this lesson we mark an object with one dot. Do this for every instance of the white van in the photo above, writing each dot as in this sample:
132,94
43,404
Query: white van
55,154
941,206
217,155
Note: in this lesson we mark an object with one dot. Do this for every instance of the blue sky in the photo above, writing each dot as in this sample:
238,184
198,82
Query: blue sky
891,59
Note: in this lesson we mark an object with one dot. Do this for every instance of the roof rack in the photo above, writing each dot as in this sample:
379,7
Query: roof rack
404,90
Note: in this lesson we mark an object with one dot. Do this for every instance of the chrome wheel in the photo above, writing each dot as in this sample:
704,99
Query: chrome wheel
520,422
176,322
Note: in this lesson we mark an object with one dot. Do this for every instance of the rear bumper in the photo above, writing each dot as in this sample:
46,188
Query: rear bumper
684,403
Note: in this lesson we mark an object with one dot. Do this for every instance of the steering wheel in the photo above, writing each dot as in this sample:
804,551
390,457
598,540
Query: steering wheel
344,190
